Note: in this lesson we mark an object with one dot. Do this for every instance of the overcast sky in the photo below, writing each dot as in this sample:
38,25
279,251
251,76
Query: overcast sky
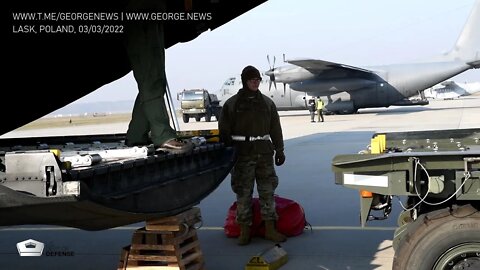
359,33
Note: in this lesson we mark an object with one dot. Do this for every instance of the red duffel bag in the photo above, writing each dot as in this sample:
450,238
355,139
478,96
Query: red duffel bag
291,218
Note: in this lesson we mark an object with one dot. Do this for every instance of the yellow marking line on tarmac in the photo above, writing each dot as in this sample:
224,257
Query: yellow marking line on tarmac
213,228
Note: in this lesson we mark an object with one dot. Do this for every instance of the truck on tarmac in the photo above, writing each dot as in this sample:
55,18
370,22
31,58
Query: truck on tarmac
436,177
198,103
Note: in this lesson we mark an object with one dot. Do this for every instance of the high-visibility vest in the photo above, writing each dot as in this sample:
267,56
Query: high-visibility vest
320,104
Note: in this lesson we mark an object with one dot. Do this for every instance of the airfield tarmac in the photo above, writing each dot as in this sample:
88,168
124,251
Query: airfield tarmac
335,240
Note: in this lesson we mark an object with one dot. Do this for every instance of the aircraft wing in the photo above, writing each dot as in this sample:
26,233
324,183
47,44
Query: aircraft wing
320,66
474,64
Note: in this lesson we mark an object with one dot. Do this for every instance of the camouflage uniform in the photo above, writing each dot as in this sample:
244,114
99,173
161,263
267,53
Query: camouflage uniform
251,113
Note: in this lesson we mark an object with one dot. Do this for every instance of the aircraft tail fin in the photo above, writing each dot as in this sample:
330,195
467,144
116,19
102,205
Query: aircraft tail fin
467,47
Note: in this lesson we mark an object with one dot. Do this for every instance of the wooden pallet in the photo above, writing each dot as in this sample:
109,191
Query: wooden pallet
166,243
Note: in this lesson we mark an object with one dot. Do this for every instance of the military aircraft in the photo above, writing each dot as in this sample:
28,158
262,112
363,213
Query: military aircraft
346,88
451,90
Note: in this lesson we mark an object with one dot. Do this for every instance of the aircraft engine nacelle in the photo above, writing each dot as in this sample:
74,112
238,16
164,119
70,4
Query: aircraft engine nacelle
341,107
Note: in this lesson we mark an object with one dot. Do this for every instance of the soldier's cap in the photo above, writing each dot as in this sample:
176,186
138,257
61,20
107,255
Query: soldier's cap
250,72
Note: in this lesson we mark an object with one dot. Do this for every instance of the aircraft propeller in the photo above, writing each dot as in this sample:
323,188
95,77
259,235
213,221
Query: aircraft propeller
270,73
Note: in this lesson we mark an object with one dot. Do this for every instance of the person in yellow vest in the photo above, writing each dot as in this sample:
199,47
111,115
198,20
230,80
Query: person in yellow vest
320,106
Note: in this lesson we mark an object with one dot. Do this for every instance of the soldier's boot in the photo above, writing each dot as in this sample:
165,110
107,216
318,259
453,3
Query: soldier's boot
271,232
244,238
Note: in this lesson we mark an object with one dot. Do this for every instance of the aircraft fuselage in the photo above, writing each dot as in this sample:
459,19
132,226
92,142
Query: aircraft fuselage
348,91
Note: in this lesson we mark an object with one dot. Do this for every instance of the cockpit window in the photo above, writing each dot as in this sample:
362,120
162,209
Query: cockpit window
230,81
192,95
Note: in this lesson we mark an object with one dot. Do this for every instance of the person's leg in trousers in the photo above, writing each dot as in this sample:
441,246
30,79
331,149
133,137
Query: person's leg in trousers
147,57
267,182
242,183
138,128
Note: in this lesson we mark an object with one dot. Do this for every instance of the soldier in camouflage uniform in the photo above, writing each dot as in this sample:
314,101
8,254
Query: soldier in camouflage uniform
250,122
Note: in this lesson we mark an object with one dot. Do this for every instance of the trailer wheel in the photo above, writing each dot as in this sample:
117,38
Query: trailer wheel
198,118
186,118
440,240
